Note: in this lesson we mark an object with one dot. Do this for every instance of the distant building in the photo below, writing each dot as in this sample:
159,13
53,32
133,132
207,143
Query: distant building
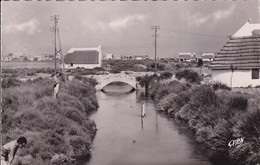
7,58
88,58
141,57
238,62
117,57
108,57
207,56
186,57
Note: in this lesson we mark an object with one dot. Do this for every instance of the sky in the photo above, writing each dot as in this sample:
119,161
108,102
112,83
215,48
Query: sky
124,27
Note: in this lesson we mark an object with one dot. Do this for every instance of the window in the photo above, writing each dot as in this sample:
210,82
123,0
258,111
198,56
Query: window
71,64
255,73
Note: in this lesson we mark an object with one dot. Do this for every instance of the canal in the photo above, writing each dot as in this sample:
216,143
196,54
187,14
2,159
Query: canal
124,138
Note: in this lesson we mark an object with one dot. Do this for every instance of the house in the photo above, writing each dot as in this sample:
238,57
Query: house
188,57
88,58
7,58
117,57
207,56
237,63
141,57
108,57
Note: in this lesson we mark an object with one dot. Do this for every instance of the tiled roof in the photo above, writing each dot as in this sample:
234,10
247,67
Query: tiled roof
82,57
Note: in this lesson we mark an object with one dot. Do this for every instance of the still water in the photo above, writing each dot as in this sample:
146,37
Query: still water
124,138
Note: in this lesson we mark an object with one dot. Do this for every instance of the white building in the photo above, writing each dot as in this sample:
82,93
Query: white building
7,58
238,62
117,57
141,57
207,56
188,57
108,57
88,58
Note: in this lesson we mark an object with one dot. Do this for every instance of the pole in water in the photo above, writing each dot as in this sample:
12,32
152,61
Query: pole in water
142,110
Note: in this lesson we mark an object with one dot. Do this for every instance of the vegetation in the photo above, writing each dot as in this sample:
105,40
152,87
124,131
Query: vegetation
133,65
216,114
188,75
52,126
146,80
219,85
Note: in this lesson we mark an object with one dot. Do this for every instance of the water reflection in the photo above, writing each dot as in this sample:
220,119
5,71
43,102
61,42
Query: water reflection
117,88
125,138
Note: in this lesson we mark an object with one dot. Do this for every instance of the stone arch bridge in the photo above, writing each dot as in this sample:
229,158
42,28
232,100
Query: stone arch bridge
125,77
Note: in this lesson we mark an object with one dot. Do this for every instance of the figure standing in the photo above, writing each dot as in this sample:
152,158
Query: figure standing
142,109
56,86
9,150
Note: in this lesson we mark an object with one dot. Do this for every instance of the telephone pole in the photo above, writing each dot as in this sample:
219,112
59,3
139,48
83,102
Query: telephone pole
55,33
155,28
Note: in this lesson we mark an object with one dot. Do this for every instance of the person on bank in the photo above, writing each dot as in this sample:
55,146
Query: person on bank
56,86
9,150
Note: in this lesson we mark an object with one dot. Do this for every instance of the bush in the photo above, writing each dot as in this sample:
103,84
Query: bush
80,90
50,125
219,85
248,128
188,75
238,102
80,147
10,82
216,115
166,75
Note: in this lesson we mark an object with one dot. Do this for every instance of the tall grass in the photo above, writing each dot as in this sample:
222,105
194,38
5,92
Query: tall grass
189,75
217,115
52,126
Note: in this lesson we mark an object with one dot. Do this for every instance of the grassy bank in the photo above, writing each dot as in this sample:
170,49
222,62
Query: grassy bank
217,115
56,129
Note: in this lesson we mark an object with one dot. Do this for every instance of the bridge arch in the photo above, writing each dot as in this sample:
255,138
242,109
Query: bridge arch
108,81
125,77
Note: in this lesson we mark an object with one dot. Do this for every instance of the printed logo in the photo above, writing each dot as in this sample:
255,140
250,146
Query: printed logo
234,143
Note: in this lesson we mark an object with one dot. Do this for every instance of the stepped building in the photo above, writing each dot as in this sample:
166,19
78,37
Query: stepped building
238,62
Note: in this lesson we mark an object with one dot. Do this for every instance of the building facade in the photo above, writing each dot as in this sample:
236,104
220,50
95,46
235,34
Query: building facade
238,62
207,56
88,58
186,57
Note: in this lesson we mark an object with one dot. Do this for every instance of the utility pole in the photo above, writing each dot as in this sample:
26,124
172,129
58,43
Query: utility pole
155,28
55,33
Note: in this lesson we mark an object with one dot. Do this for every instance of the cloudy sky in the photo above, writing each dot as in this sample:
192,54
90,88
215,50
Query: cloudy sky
124,27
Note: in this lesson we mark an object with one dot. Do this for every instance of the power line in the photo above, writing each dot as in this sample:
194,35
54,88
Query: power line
155,28
55,33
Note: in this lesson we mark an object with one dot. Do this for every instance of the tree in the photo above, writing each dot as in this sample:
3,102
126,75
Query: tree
146,80
25,59
200,64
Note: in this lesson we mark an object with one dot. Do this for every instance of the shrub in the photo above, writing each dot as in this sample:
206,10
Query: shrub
202,96
181,99
74,114
238,102
10,82
248,128
219,85
49,124
89,106
166,75
80,147
80,90
188,75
